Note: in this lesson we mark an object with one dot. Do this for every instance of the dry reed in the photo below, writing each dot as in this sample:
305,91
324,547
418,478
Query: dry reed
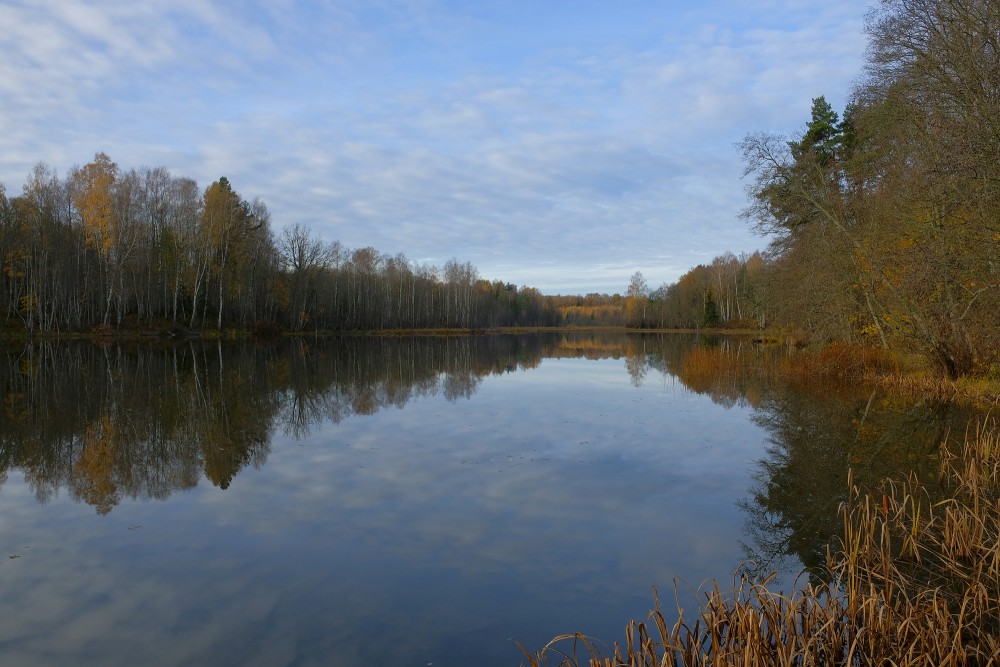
839,361
914,581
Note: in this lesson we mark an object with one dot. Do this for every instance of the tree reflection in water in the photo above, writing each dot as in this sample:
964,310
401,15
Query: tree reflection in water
142,421
818,432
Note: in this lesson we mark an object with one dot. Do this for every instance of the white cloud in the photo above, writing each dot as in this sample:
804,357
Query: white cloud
480,133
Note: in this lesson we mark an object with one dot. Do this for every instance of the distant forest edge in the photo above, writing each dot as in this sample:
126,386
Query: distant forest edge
105,249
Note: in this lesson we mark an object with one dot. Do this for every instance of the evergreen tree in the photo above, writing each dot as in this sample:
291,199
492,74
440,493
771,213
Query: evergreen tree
711,318
823,133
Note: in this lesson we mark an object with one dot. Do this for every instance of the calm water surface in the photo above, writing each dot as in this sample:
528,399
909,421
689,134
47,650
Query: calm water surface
411,501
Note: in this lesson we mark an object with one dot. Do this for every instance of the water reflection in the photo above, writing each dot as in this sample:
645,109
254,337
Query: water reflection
110,423
818,431
585,469
143,421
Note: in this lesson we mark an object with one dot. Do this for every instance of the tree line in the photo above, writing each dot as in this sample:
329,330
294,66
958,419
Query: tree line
730,292
884,220
105,248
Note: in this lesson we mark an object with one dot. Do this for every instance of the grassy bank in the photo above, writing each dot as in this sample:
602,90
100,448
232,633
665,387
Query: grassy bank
914,580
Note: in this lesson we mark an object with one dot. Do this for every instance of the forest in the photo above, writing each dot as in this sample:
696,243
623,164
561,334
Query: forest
106,248
883,220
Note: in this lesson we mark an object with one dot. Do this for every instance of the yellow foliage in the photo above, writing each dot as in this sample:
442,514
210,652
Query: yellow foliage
14,261
590,311
870,330
27,303
592,344
93,199
28,367
94,471
587,315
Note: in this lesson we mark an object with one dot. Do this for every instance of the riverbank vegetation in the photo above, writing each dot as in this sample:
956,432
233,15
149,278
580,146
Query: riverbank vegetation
914,580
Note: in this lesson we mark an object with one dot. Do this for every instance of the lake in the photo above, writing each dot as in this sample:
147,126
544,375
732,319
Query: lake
410,500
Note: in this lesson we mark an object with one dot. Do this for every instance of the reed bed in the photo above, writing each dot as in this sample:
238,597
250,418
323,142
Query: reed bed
981,391
839,361
915,580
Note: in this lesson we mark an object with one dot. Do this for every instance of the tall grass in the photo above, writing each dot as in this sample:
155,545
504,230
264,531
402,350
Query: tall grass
915,580
839,361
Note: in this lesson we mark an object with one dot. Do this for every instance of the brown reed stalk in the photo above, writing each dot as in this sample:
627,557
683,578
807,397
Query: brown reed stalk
914,581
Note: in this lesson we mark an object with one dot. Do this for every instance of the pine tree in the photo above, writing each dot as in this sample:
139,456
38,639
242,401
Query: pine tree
711,317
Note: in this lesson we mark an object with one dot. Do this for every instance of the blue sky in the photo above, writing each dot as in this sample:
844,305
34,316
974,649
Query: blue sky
561,145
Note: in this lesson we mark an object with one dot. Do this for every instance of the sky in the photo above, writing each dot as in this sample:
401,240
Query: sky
558,144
